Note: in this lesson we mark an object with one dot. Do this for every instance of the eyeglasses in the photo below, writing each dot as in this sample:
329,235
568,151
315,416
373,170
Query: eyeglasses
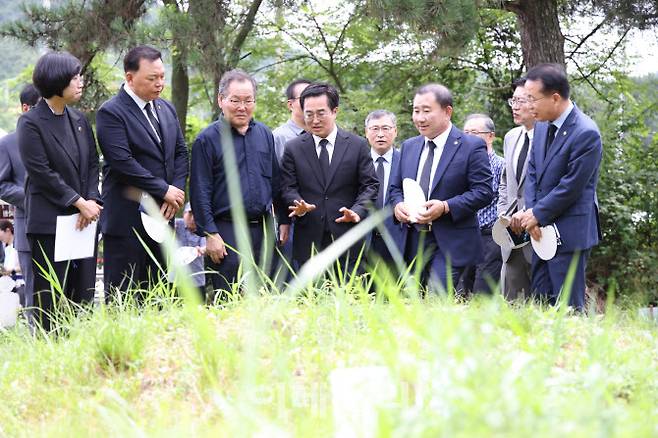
236,102
516,101
532,100
317,115
471,132
383,129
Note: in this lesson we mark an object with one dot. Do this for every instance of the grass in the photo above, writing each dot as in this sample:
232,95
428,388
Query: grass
263,367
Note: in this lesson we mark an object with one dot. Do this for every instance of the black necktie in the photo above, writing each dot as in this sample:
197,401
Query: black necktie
427,169
154,121
379,170
552,129
324,159
522,156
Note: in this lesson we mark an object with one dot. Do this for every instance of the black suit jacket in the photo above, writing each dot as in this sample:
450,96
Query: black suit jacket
135,159
12,186
352,183
58,173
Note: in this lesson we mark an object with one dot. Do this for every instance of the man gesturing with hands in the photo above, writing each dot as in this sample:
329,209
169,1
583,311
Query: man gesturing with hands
329,180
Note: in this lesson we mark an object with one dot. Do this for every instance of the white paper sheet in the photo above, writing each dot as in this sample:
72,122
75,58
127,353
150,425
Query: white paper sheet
414,198
72,244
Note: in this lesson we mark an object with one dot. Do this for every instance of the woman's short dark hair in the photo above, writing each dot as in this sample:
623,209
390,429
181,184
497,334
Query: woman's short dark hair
136,54
553,78
6,225
319,89
54,72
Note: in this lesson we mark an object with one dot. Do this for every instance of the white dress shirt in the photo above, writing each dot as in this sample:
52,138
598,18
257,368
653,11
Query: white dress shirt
440,142
141,104
331,138
388,160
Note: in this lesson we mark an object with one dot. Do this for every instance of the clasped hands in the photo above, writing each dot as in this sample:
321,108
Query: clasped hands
300,208
526,220
434,209
174,199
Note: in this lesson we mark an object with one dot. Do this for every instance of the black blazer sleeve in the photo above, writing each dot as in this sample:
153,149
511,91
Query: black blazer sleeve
368,183
43,178
115,146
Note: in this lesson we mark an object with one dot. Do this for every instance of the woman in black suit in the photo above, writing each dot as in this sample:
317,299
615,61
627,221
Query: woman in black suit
58,148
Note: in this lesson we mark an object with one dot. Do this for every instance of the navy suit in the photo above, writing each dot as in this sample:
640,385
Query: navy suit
135,159
60,170
463,179
352,183
561,188
12,181
394,228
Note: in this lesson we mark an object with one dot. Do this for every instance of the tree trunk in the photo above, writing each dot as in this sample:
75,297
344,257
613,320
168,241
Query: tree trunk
541,36
180,86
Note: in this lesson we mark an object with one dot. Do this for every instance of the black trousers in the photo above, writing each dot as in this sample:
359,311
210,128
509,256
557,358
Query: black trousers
128,266
76,277
222,275
480,278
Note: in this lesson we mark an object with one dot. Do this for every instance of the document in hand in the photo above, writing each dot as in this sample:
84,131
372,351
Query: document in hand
414,198
73,244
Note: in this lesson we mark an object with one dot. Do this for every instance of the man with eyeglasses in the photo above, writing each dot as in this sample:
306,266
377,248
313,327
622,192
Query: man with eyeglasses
257,170
329,178
293,128
515,273
485,276
381,131
453,171
12,190
561,182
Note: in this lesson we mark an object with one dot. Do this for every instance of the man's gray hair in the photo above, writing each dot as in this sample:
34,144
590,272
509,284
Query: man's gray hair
238,75
380,113
488,123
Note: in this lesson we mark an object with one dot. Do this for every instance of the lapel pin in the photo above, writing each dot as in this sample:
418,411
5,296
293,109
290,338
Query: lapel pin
79,128
564,133
456,142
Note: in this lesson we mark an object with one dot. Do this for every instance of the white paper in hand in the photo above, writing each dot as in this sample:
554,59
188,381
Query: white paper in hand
414,198
9,302
546,246
155,228
71,243
186,255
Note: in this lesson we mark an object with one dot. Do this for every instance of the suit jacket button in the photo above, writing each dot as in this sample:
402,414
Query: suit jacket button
326,198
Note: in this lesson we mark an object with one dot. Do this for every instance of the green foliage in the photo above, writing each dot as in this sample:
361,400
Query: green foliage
628,188
481,369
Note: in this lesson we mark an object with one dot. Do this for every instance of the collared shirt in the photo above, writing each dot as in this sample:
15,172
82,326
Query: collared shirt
331,138
388,160
257,170
560,120
487,216
519,146
141,103
440,142
283,134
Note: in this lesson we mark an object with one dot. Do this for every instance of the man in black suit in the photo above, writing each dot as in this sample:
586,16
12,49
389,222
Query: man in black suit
328,177
12,180
144,151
